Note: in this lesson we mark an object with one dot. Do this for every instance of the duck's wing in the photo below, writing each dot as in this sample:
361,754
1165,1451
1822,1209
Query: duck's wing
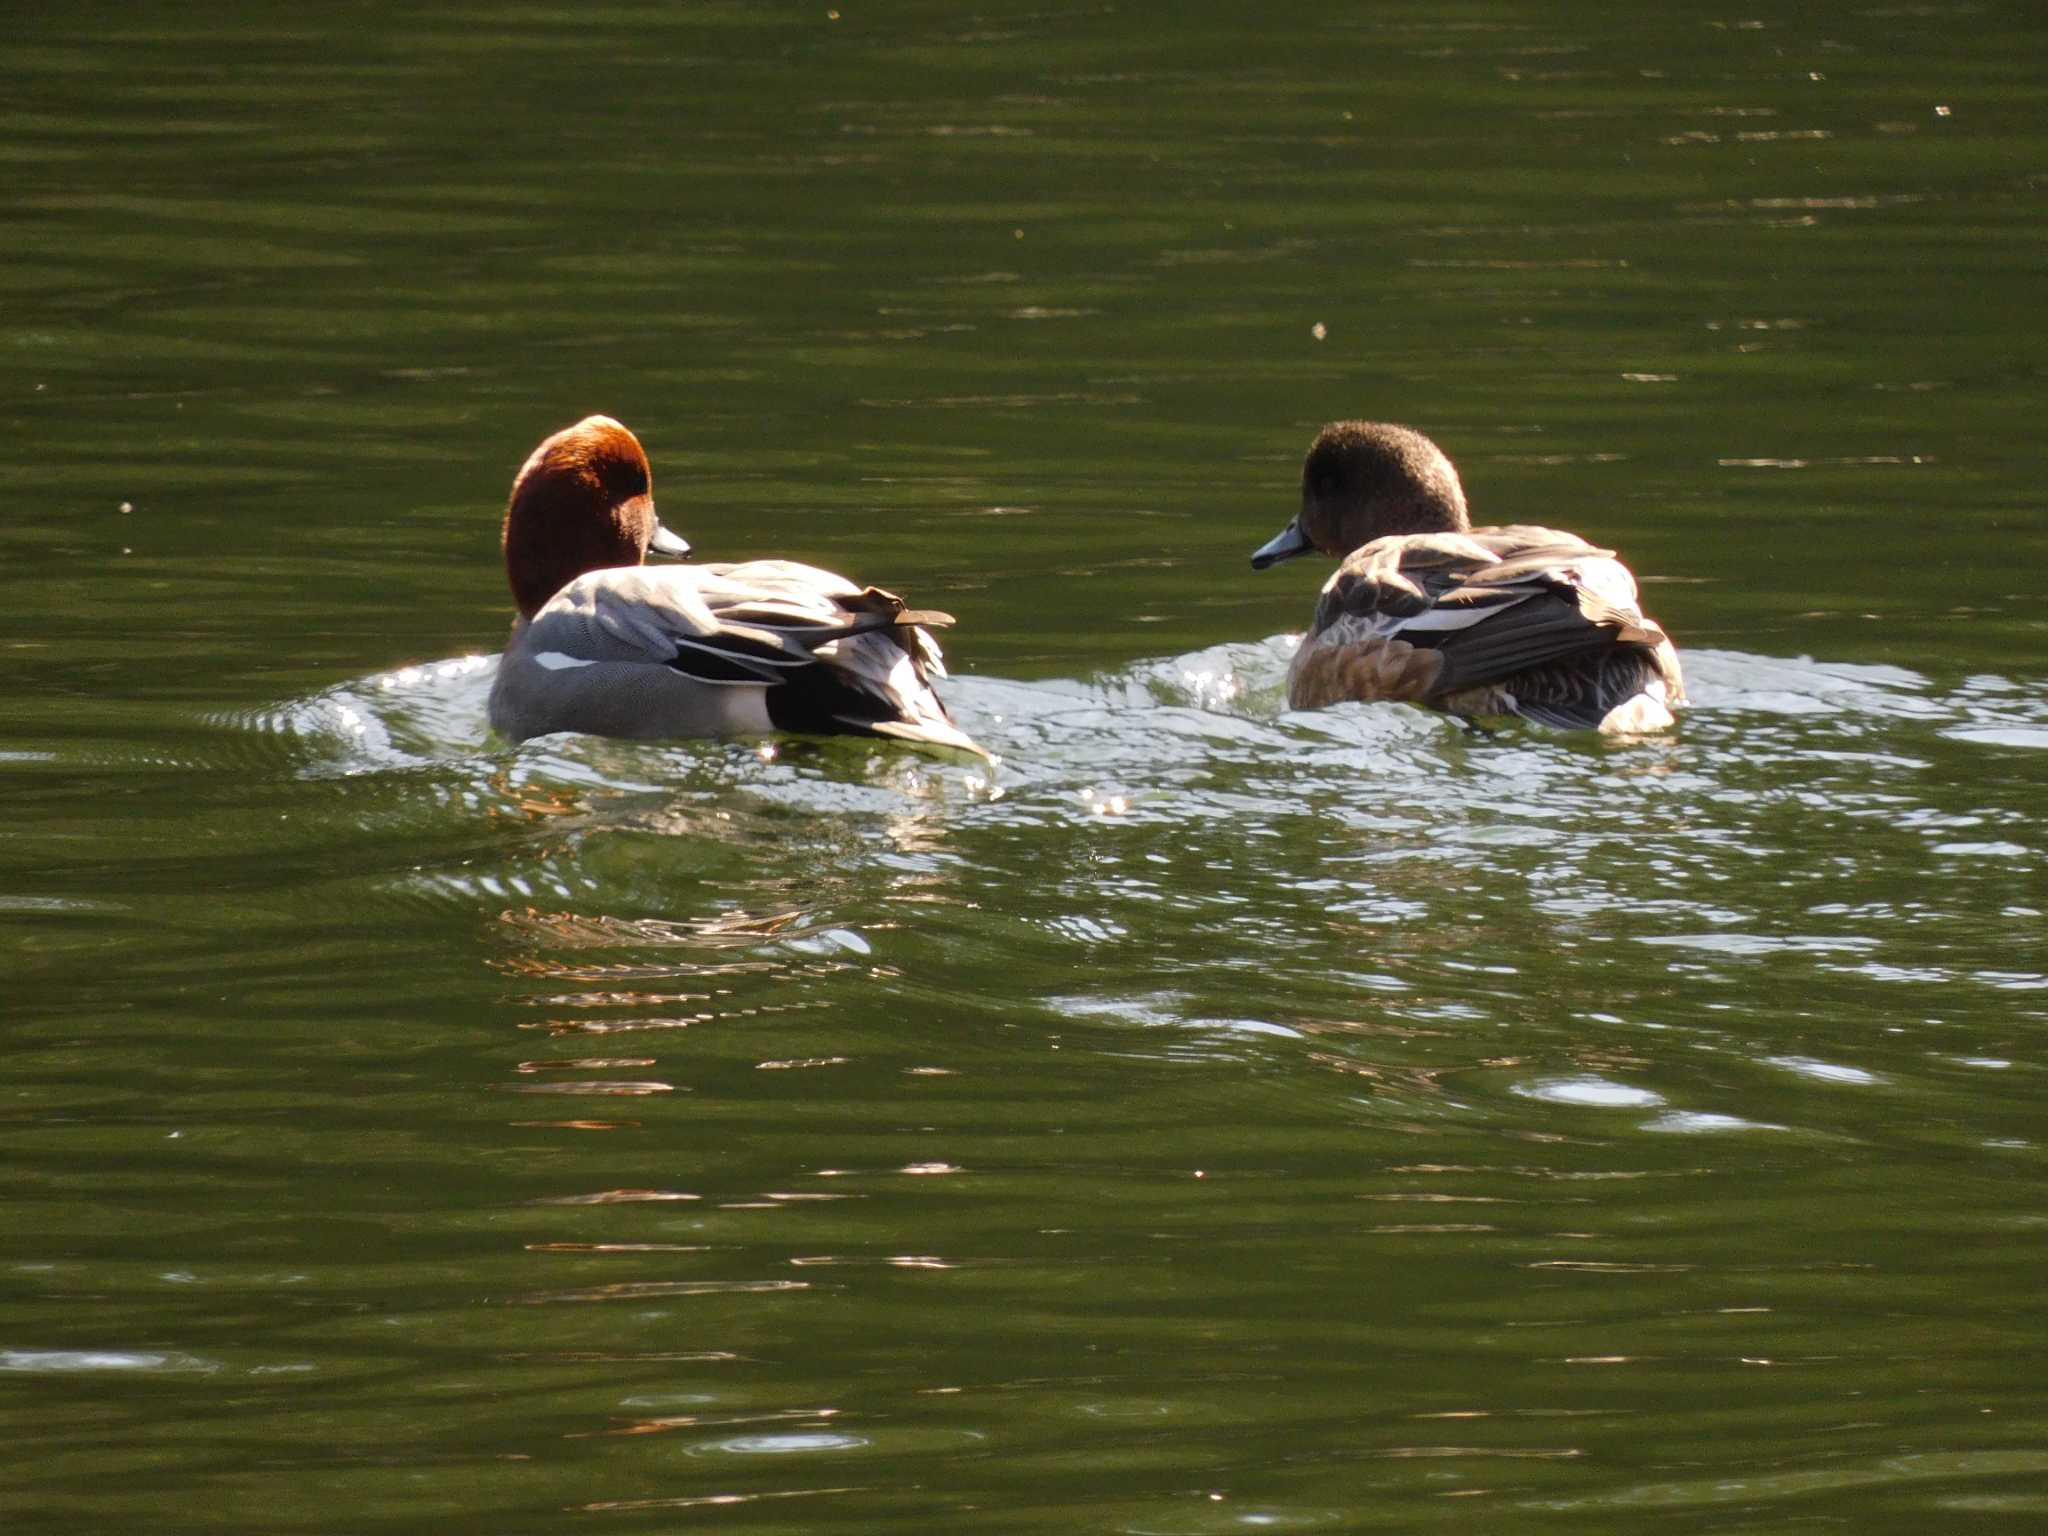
809,607
1522,619
838,657
1356,647
683,650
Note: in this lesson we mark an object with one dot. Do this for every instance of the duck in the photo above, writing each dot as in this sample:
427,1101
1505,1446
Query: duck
1474,622
605,644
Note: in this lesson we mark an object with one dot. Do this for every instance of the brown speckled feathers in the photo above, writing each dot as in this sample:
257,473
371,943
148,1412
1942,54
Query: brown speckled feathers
1513,620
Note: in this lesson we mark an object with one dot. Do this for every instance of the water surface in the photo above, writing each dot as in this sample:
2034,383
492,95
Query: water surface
1213,1119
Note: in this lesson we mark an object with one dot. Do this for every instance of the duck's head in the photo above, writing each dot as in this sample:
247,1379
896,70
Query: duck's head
1363,480
583,501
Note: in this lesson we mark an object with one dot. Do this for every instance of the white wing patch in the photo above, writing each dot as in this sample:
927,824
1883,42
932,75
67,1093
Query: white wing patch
559,661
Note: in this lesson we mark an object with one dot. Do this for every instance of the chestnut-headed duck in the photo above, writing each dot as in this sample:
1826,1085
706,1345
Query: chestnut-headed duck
1427,609
607,645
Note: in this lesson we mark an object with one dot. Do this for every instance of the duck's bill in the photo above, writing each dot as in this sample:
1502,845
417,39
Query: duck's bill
1284,545
666,543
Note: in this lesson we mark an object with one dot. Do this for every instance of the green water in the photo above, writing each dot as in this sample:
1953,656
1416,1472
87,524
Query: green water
1220,1119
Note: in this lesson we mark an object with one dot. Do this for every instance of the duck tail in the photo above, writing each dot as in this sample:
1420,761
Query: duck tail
932,733
871,684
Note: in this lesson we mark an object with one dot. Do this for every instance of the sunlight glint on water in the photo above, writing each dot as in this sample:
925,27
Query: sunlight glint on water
1217,1119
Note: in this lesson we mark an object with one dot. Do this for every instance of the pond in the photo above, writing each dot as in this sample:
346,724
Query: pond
1210,1118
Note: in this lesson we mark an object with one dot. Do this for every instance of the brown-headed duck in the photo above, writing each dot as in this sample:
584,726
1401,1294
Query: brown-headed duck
606,645
1429,610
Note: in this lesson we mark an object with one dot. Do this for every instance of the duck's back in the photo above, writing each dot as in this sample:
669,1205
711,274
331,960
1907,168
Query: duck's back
722,650
1517,620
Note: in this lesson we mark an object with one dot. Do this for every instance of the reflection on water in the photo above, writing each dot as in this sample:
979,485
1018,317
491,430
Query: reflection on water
1217,1119
1527,956
1171,814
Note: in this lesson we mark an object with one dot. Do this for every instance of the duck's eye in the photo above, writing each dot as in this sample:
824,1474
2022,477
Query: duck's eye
1326,486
